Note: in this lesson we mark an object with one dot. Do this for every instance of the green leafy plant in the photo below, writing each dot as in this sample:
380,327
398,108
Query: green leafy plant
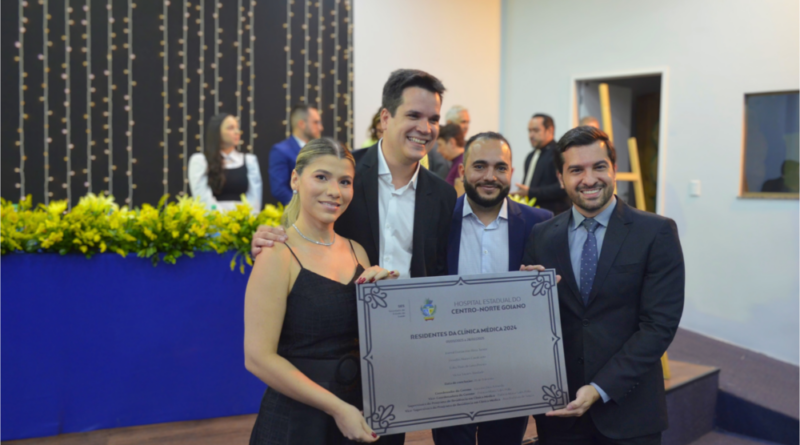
236,229
97,225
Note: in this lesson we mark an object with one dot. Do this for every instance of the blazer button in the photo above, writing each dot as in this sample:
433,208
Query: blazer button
585,322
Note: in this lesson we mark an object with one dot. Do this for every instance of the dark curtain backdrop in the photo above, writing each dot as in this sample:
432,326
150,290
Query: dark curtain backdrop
141,125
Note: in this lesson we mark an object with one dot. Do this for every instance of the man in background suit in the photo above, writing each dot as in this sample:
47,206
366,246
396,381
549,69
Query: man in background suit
306,125
437,161
540,179
621,299
487,235
400,213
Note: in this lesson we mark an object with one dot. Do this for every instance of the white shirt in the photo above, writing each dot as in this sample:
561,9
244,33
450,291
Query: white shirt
396,217
529,173
198,179
300,142
483,249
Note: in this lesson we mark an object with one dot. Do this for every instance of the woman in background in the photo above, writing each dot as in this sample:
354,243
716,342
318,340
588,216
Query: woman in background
221,175
300,317
375,131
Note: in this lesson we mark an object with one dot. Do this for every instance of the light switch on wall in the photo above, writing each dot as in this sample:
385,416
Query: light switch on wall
694,187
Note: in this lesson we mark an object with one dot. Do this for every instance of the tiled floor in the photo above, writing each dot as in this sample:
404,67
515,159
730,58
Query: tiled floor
222,431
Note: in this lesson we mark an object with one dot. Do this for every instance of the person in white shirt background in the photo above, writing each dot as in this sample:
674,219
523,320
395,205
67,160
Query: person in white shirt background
222,174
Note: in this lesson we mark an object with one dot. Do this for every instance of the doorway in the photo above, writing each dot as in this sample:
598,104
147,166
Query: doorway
636,108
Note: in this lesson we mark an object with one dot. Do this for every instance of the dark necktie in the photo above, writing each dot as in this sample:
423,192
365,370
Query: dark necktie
588,258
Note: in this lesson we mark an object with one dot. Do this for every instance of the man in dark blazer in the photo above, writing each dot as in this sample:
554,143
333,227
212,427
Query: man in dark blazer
621,299
540,180
434,203
487,223
306,125
400,213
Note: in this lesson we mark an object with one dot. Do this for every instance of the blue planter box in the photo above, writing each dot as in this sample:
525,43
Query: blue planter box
111,342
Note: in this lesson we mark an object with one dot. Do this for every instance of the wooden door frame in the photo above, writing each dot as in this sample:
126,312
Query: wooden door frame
662,118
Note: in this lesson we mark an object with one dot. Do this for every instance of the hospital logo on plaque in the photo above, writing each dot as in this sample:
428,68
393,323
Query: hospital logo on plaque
428,309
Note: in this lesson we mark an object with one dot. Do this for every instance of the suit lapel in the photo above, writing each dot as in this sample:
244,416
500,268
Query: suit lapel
615,235
516,235
562,254
369,183
454,241
422,206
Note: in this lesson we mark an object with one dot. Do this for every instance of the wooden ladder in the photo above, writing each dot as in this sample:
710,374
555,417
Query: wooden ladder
634,176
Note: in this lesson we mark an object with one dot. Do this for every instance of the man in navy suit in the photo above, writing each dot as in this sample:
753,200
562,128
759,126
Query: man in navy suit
306,125
620,300
487,235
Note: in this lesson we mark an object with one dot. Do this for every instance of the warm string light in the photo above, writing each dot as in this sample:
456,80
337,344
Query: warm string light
335,71
89,89
306,39
21,129
184,104
202,72
68,102
288,48
129,100
252,85
349,56
46,100
239,58
109,99
217,41
244,25
320,74
165,93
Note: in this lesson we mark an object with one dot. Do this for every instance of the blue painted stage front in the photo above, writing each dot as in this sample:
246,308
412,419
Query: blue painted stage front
110,342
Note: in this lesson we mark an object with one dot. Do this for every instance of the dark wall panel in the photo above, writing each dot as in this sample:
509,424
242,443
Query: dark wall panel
113,118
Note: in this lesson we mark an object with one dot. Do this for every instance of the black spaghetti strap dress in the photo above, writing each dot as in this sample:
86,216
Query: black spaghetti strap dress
320,338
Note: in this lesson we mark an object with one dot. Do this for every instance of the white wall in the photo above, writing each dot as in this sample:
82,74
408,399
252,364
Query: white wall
741,255
457,41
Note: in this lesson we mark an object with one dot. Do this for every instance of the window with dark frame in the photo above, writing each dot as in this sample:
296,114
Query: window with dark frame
771,147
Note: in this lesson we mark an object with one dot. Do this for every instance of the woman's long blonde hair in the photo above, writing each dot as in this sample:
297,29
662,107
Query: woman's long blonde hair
312,150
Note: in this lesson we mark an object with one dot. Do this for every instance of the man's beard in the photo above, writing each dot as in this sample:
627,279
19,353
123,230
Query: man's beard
606,193
474,196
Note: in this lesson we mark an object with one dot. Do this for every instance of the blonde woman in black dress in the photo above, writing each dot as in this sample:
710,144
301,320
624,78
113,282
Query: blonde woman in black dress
301,325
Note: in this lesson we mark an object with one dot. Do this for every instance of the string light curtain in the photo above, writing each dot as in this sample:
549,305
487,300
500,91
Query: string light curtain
112,96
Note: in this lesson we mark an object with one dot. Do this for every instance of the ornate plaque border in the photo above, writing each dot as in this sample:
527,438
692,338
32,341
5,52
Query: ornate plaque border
373,297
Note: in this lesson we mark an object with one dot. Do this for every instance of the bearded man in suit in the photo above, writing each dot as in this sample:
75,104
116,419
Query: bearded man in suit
620,297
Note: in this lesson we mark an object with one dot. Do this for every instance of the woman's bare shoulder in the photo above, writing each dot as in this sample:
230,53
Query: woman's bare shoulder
361,254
